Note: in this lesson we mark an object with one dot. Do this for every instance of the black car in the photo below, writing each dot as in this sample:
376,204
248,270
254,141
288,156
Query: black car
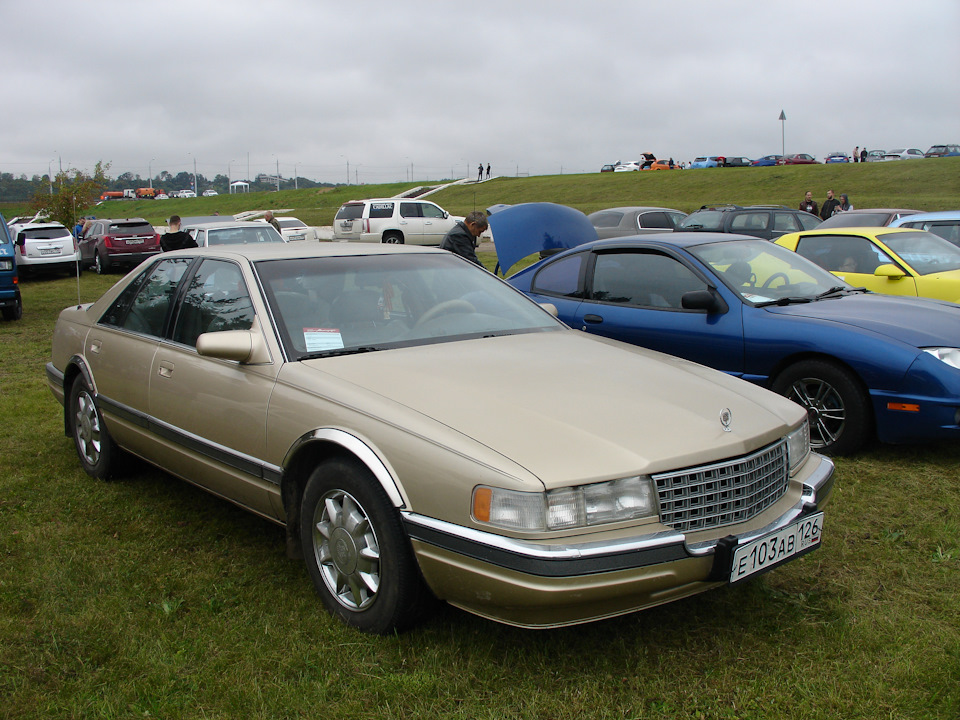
736,162
763,221
126,242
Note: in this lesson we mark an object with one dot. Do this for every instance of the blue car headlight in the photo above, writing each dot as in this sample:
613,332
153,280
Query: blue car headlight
951,356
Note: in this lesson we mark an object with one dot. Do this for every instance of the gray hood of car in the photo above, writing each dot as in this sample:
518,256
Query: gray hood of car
566,407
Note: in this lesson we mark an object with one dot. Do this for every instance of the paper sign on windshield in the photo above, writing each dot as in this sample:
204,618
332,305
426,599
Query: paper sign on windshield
320,339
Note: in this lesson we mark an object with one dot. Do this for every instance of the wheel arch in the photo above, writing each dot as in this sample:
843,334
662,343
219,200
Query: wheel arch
76,367
393,231
317,447
791,360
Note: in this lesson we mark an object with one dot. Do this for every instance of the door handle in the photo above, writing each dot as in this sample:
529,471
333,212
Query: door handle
166,369
592,319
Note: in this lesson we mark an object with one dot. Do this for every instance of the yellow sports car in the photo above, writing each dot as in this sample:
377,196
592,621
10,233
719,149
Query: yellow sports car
892,261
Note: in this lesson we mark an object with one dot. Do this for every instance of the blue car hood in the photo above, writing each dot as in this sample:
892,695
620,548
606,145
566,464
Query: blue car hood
521,230
915,321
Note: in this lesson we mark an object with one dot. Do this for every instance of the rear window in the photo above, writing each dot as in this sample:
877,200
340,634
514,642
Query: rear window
705,220
46,233
243,235
353,211
130,228
859,220
381,210
290,223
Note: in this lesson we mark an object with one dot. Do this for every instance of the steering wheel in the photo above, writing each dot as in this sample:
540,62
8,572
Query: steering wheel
769,280
445,308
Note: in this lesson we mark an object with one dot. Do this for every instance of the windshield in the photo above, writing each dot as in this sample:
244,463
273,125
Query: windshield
338,305
243,235
761,272
923,251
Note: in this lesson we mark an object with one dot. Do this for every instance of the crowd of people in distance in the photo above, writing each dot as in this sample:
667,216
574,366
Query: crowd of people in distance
831,206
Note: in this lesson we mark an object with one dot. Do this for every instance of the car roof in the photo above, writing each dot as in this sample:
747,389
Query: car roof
255,252
36,225
865,230
120,220
208,224
921,217
636,208
678,239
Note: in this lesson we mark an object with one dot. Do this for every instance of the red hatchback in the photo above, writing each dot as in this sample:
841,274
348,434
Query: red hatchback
798,159
126,242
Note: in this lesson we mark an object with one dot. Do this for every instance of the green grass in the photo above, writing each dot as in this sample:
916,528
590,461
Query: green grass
922,185
146,597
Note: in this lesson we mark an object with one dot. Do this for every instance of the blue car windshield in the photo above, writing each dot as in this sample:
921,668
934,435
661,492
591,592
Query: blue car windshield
925,252
761,272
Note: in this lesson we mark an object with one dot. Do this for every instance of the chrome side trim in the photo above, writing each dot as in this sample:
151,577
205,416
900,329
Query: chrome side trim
220,453
54,376
378,466
547,560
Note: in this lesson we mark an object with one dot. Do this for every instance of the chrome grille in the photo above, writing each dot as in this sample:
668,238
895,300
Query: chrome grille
723,493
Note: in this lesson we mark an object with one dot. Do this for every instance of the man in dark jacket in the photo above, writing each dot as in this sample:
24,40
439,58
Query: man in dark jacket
462,237
809,204
829,205
175,238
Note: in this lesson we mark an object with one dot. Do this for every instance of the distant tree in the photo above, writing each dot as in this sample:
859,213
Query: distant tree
74,191
126,179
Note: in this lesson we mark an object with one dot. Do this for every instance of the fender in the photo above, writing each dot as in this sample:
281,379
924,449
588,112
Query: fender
378,466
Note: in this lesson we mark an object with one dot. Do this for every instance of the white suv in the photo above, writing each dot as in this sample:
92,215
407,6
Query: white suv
392,220
44,246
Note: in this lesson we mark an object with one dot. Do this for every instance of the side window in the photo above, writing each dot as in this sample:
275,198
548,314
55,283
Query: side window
808,221
749,221
409,209
381,210
785,222
643,279
118,309
561,277
150,306
843,253
216,299
431,211
606,219
654,220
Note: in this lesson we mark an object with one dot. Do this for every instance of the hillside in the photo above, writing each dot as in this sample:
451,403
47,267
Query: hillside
919,184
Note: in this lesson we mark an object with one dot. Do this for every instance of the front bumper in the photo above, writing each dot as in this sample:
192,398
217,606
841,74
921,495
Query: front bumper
540,584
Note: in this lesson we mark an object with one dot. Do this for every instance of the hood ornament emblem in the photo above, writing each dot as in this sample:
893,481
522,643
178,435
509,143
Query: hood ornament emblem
726,418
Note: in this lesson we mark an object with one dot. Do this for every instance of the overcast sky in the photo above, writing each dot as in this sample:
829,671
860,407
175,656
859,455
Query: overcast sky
538,87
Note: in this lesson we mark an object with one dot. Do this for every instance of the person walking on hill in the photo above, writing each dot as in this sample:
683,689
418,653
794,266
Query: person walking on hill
479,172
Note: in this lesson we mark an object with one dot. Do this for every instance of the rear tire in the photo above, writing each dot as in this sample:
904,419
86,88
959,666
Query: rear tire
359,558
15,312
837,406
97,452
393,238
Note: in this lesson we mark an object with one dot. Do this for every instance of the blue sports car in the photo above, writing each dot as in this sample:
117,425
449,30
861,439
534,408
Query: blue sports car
862,364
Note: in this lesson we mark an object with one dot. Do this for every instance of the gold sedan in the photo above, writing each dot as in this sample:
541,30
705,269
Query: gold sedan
422,430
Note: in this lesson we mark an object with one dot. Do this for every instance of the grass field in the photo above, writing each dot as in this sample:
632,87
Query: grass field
146,597
919,184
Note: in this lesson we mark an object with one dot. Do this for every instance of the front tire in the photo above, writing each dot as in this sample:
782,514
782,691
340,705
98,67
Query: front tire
98,264
95,448
836,403
356,552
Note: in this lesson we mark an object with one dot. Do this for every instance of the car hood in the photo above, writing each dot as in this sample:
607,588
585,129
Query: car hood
566,407
919,322
521,230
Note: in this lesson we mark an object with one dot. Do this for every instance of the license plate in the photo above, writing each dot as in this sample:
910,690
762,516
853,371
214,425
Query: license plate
777,547
134,242
51,251
298,237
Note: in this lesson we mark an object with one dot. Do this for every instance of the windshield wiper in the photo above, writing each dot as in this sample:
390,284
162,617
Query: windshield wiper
340,351
786,301
838,291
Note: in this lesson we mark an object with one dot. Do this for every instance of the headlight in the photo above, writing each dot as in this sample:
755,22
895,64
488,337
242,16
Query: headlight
6,264
951,356
798,446
566,508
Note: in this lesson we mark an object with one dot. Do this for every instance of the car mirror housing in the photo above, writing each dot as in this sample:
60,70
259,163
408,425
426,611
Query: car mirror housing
244,346
550,308
889,270
702,300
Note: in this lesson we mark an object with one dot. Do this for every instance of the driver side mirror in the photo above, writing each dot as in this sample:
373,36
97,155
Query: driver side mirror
889,271
703,300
